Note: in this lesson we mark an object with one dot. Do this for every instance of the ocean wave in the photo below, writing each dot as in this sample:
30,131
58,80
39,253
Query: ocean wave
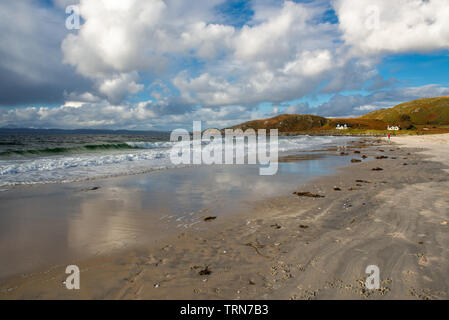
48,164
150,145
62,150
67,164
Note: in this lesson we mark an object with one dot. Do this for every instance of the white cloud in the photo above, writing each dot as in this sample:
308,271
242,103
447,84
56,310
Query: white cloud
167,115
367,108
271,37
117,36
102,115
283,56
384,26
115,88
309,63
126,37
220,71
207,40
140,35
354,105
286,51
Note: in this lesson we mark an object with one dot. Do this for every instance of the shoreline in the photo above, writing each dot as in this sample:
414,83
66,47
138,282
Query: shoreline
48,224
290,247
333,133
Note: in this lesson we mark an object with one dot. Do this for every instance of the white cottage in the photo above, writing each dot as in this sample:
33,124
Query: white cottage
342,127
393,128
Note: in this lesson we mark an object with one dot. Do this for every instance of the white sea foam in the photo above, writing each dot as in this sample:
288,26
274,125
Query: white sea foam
149,156
150,145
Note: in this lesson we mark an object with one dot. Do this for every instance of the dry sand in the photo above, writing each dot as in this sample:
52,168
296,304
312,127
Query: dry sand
436,146
294,247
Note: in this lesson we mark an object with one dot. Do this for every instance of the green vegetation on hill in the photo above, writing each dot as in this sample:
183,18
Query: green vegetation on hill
430,115
285,123
428,111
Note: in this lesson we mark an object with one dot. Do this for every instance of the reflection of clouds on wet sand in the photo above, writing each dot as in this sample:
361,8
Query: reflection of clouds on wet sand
131,208
105,222
76,220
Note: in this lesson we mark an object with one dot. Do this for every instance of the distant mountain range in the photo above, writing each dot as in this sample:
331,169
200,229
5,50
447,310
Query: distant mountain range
430,115
76,131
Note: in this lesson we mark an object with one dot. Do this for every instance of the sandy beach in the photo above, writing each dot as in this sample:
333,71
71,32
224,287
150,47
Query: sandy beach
294,247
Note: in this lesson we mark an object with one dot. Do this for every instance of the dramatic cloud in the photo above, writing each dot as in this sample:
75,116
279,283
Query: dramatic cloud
161,63
116,88
143,116
31,68
285,56
383,26
356,105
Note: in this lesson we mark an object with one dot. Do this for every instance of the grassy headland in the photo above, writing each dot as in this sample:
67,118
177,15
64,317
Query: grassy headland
423,116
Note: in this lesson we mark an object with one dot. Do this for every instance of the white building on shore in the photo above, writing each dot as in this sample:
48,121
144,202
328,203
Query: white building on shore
342,127
393,128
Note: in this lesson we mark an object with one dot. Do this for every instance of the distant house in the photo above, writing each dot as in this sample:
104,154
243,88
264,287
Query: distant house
393,128
342,127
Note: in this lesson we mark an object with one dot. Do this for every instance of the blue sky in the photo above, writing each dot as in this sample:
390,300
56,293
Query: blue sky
160,64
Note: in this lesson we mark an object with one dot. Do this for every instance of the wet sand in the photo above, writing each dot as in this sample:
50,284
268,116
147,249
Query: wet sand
291,247
46,225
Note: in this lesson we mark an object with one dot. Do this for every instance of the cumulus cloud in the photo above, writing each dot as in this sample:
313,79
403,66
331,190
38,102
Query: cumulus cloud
144,63
301,108
90,112
366,108
143,115
115,88
118,39
309,63
207,40
384,26
137,35
355,105
284,56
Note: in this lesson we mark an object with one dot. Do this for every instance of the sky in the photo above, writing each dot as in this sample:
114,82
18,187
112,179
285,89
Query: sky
161,64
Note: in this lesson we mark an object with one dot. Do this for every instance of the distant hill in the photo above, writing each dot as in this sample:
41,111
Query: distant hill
75,131
295,123
414,115
428,111
285,123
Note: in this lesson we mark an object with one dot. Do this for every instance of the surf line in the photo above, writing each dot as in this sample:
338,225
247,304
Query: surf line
207,147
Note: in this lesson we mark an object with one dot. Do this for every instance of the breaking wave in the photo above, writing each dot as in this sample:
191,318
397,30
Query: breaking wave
103,160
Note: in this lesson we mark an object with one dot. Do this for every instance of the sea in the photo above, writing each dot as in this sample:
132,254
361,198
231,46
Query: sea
36,158
69,196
